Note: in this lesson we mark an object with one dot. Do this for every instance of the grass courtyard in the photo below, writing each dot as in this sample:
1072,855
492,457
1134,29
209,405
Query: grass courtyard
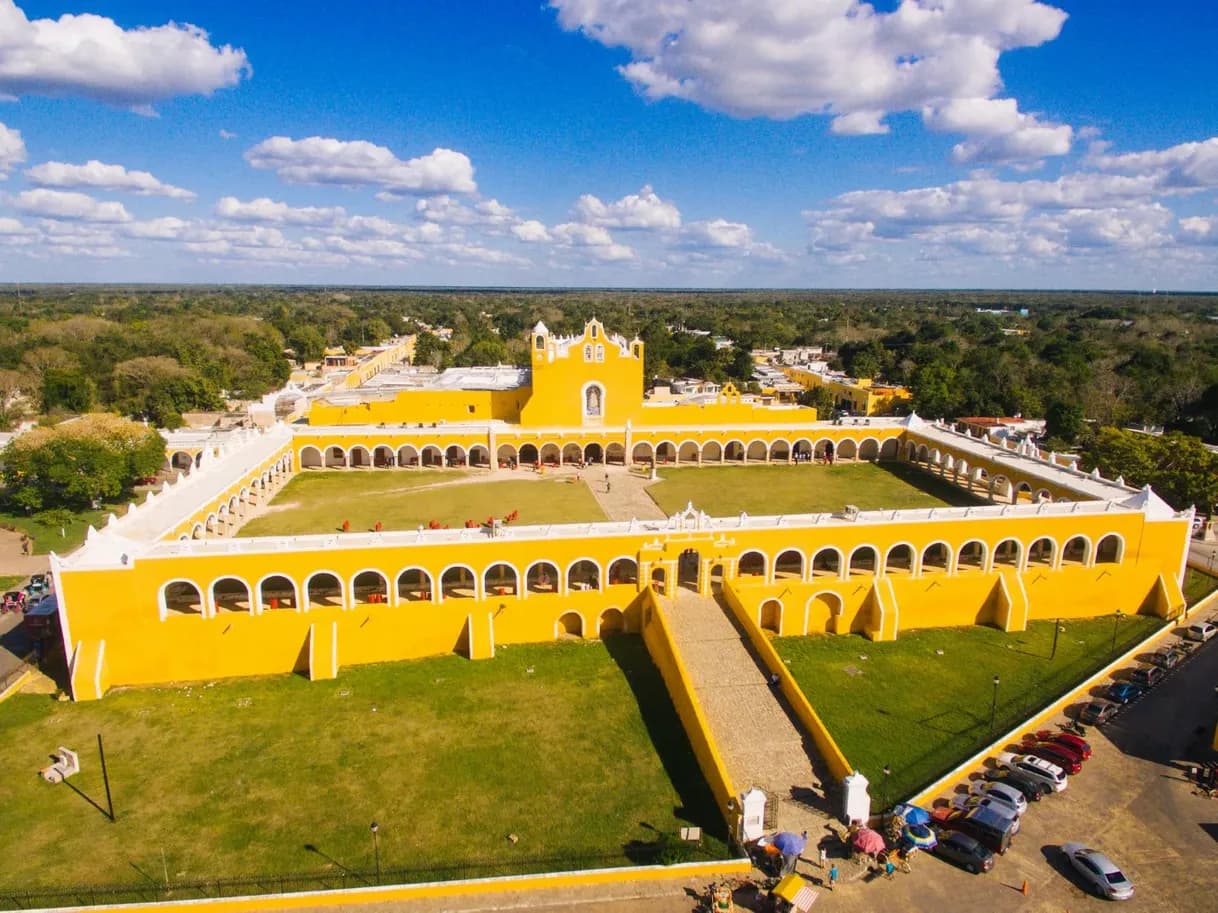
724,491
319,502
1198,585
921,703
243,777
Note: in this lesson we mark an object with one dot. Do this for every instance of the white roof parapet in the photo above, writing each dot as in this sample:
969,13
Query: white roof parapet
1152,505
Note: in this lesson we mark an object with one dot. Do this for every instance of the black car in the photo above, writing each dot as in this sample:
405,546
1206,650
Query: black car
1147,676
964,851
1031,789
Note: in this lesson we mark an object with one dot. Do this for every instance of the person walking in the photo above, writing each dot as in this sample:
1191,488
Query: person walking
832,876
824,854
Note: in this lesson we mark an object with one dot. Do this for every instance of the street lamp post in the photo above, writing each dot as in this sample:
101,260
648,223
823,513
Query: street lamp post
994,706
1116,620
887,774
376,849
1057,628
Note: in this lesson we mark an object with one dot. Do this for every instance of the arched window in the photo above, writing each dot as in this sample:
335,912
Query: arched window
1109,550
1041,553
752,564
600,353
935,557
827,563
862,560
183,598
971,557
1006,554
587,353
1075,551
899,560
789,564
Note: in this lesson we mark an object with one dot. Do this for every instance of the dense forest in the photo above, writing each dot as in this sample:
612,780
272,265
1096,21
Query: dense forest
1079,359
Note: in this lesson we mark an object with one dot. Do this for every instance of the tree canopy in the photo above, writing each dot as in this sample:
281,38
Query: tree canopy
1177,466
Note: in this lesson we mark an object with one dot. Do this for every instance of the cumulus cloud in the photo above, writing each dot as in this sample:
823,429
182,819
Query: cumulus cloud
642,210
101,176
444,208
323,160
266,210
1185,167
12,150
591,239
227,134
91,56
786,58
998,131
1199,230
70,206
531,231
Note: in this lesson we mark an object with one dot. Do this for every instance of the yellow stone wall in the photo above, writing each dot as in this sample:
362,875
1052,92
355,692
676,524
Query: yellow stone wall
865,397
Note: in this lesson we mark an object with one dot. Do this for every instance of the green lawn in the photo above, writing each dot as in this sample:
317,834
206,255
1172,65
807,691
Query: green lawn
48,539
573,748
10,582
1198,585
724,491
318,502
921,711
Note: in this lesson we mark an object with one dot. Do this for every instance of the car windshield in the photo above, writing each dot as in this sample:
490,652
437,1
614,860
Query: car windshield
1115,877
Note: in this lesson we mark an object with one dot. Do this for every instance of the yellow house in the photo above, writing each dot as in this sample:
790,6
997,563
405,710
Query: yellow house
166,594
861,396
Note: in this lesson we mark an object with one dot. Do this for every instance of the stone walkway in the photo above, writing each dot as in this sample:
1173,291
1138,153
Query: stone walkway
627,498
761,742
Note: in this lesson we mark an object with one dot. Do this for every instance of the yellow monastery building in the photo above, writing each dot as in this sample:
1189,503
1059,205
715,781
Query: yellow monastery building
165,593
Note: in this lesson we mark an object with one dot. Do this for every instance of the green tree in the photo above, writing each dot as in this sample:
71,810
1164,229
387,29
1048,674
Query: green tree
1178,467
1064,420
67,389
159,389
307,342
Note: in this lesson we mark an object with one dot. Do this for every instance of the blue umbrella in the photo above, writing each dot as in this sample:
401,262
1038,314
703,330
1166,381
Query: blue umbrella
912,813
789,844
918,835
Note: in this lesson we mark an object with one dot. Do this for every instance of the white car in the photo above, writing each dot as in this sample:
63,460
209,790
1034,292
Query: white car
1202,631
1100,872
1002,793
964,803
1035,768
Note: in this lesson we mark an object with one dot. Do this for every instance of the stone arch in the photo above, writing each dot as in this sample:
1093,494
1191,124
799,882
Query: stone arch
228,595
542,577
310,458
414,585
612,621
501,579
658,579
1000,488
583,574
505,454
666,452
408,455
336,457
181,460
757,451
572,453
789,564
936,558
827,562
455,455
623,571
847,449
802,450
324,589
900,559
688,452
1110,550
769,617
569,625
869,450
821,613
479,456
751,564
971,556
1043,495
431,456
1042,552
1076,551
529,454
1023,492
780,451
1007,553
823,448
733,452
594,453
923,454
911,452
369,587
890,449
277,591
712,452
181,597
615,454
458,581
642,453
359,458
863,561
198,531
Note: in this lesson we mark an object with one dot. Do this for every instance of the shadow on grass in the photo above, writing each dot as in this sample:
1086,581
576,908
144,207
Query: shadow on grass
667,736
932,485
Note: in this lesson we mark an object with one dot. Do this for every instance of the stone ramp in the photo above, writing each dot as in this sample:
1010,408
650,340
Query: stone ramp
761,741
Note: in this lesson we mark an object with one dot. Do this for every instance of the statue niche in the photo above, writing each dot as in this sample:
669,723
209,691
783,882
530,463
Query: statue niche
593,402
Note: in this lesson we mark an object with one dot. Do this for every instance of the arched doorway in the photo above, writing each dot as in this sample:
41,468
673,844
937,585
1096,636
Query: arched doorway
594,454
688,565
612,622
571,624
771,616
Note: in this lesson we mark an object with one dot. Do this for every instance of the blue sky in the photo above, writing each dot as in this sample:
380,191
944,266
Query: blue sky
930,143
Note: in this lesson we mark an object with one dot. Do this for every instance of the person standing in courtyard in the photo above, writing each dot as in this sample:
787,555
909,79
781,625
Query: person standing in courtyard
832,876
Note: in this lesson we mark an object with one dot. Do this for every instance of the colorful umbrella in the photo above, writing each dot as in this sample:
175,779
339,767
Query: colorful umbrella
919,835
912,814
868,841
789,843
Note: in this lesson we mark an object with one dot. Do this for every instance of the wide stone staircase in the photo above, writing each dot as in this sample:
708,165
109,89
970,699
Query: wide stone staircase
761,741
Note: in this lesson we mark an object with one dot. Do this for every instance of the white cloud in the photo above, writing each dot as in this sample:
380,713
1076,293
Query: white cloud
323,160
91,56
842,58
591,239
12,149
102,176
227,134
718,233
60,204
998,131
1199,230
444,208
643,210
1185,167
531,231
268,211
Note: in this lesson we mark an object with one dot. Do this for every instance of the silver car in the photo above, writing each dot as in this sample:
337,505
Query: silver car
1100,872
1008,795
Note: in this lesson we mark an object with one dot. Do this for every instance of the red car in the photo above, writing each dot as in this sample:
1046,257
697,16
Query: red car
13,602
1077,743
1056,754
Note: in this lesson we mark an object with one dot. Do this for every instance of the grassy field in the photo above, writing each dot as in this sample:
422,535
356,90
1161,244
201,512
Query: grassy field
921,703
280,775
10,582
724,491
318,502
1198,585
48,539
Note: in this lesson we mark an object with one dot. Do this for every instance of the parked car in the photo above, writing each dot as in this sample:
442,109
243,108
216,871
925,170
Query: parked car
1001,792
1168,658
1147,676
960,849
1031,789
988,826
1100,872
14,601
1063,757
1123,692
1201,631
1097,713
1075,742
965,803
1036,768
